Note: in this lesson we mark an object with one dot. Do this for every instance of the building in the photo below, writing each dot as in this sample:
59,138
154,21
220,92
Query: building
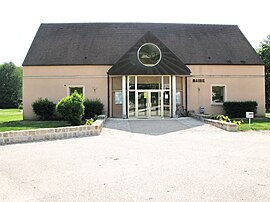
141,70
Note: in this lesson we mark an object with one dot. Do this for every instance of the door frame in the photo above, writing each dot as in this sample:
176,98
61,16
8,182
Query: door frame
162,90
149,103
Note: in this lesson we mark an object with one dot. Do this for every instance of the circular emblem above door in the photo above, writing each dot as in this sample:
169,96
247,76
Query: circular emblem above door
149,54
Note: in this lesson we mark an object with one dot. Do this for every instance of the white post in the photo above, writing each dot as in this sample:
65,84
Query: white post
174,95
124,107
136,97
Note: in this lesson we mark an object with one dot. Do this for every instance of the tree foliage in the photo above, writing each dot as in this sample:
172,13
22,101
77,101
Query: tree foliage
20,75
264,53
10,85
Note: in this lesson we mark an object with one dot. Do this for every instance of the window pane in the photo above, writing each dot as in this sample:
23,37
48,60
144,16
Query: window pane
131,104
166,103
132,82
143,100
179,98
147,82
166,82
78,89
218,94
179,83
149,54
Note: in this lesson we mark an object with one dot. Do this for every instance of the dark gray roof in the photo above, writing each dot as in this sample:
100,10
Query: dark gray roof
106,43
169,64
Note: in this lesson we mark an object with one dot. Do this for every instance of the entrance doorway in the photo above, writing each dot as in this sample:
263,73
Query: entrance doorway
149,104
149,96
144,96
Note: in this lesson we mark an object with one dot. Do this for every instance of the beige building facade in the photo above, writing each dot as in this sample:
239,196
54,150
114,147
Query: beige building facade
146,79
241,83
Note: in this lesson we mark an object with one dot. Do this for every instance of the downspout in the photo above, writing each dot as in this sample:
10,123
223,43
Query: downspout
108,94
124,107
174,95
186,100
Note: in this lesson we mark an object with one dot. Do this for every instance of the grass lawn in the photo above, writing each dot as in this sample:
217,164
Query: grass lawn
257,123
12,119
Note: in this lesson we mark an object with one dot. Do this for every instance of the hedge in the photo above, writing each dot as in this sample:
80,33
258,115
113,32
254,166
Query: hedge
92,108
44,108
239,109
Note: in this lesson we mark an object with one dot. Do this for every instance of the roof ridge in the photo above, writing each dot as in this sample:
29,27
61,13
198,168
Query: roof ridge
138,23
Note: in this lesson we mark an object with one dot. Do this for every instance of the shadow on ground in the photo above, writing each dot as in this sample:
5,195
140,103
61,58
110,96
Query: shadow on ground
152,126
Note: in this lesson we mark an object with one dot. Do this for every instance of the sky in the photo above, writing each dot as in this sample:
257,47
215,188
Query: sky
20,19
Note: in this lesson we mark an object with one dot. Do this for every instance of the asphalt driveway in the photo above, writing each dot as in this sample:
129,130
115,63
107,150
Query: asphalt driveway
141,160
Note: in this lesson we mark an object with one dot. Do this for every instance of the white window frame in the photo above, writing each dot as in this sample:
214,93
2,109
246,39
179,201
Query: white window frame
75,86
224,96
149,65
162,90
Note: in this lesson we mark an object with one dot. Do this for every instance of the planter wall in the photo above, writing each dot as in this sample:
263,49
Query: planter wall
12,137
231,127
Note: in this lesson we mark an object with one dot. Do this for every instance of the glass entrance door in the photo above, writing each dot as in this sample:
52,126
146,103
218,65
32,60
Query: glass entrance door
149,96
143,104
149,104
155,104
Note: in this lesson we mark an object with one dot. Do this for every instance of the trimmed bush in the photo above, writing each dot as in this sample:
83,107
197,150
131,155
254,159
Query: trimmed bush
43,108
71,108
239,109
92,108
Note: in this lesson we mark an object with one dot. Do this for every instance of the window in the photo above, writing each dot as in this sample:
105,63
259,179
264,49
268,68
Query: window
79,89
218,94
149,82
149,54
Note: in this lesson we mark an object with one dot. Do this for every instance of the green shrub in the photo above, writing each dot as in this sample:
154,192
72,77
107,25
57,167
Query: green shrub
92,108
43,108
71,108
239,109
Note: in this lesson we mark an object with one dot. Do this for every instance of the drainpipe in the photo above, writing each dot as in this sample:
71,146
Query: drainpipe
124,109
173,95
108,94
186,94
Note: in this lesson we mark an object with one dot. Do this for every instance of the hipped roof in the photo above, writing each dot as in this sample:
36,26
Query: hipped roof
106,43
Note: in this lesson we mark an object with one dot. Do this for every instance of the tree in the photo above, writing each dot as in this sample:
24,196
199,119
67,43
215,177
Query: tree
264,53
10,86
20,75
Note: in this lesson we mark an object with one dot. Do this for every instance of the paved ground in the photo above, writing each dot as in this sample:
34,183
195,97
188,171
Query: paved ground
141,160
